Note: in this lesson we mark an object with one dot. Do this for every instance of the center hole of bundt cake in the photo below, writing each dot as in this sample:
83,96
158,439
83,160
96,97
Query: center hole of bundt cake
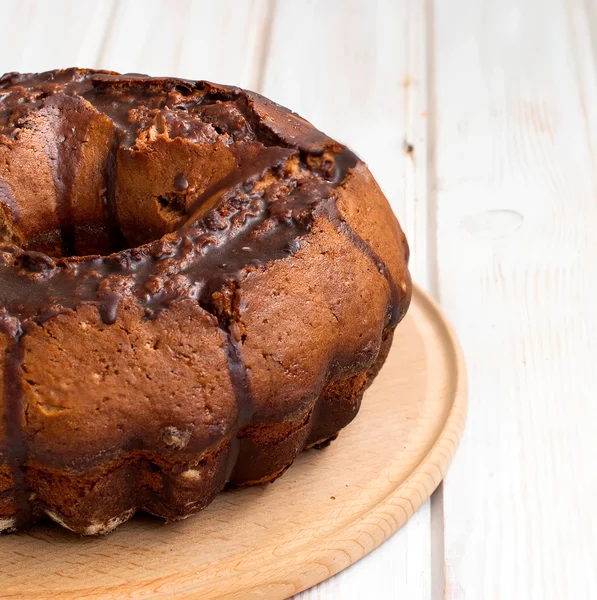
93,222
109,163
103,236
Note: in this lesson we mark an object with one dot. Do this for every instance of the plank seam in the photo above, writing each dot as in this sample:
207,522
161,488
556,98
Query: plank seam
432,251
437,514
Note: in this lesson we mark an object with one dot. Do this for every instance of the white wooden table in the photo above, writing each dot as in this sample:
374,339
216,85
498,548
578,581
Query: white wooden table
479,119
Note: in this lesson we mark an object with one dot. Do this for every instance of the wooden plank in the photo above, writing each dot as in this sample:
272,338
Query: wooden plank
38,36
516,188
357,71
372,95
220,41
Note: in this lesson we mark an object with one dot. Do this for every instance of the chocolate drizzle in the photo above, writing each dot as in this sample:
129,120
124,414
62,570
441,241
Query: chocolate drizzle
242,389
256,214
17,450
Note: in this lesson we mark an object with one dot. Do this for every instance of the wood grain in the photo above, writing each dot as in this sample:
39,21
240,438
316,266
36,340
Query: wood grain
329,510
38,36
516,191
222,41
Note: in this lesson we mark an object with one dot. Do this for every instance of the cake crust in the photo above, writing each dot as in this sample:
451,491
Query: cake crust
195,285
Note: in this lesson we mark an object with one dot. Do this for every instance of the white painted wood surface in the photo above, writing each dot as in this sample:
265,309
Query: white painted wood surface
479,119
517,264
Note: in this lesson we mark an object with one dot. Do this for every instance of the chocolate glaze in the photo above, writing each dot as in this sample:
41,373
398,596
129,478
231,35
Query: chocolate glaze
256,214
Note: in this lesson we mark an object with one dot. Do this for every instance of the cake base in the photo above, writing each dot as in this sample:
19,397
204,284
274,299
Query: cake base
331,508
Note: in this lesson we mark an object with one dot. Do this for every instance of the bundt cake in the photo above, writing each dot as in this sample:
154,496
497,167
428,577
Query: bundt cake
195,285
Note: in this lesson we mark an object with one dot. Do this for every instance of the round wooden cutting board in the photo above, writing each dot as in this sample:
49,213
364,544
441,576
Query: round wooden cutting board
330,509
